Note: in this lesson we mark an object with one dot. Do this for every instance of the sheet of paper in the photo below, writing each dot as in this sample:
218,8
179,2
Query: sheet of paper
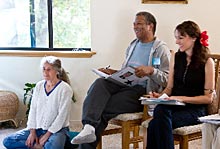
100,73
160,100
213,119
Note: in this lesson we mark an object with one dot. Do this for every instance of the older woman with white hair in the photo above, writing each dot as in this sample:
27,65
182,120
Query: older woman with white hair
48,119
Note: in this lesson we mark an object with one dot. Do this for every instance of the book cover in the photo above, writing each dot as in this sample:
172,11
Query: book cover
125,76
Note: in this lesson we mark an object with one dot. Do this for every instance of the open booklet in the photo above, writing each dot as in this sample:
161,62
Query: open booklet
160,100
213,119
125,76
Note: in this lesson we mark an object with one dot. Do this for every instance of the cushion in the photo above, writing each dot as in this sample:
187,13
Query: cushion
129,116
181,130
188,129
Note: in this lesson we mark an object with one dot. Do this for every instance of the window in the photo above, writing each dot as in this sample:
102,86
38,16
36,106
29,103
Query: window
45,24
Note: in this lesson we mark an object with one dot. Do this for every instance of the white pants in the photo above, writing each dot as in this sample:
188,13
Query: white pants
210,136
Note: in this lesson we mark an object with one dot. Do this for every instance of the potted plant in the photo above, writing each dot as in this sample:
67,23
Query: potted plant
29,88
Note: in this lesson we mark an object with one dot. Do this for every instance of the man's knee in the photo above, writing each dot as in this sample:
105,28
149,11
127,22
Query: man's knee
99,81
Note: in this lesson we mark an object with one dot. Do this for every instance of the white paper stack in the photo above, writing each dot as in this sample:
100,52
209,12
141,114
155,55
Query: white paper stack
161,100
213,119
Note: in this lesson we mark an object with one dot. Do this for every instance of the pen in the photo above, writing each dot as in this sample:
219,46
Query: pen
107,67
132,67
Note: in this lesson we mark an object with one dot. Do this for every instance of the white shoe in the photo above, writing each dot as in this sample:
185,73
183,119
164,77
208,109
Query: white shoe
87,135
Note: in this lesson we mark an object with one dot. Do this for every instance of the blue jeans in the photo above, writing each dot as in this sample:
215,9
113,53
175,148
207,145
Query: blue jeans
168,117
18,139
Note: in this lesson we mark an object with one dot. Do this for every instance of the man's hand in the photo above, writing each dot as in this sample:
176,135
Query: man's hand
143,71
107,71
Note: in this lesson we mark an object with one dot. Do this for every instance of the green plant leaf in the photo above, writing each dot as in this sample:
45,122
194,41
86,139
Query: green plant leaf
29,87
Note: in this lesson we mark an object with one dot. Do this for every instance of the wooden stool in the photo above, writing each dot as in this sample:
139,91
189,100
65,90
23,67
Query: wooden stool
8,106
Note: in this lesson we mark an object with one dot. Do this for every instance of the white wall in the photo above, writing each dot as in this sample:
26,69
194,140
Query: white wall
112,30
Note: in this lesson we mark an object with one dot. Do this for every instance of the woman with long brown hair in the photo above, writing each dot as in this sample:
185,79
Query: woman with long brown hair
191,80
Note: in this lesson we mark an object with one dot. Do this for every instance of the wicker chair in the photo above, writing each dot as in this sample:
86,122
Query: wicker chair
8,106
185,134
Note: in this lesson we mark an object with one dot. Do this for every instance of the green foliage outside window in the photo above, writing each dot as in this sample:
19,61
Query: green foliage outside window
26,24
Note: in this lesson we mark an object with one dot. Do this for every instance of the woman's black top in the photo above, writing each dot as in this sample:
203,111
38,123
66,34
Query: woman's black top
188,80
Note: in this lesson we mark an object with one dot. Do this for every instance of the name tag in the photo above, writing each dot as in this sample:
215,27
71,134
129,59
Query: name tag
156,61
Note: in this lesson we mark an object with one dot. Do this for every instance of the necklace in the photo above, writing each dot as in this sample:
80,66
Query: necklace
52,84
184,75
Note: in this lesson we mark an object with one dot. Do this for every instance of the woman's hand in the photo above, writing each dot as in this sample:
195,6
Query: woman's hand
154,95
31,138
37,146
43,139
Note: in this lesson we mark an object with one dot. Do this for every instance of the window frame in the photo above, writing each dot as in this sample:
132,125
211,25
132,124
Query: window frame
165,1
39,52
